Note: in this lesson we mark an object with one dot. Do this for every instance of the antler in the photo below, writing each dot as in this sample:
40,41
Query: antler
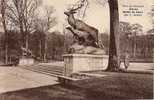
79,6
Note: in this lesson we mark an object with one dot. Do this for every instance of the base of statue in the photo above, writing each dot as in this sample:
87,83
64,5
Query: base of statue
26,61
84,62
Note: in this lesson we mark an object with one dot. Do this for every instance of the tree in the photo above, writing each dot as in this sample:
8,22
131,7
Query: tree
136,29
43,25
21,14
104,39
37,44
55,44
113,64
46,22
3,13
50,22
124,28
125,31
13,46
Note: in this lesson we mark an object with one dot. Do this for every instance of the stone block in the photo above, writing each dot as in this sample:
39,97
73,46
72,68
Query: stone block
26,61
84,62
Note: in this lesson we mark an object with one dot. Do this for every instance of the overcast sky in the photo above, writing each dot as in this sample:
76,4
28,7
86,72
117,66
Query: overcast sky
98,15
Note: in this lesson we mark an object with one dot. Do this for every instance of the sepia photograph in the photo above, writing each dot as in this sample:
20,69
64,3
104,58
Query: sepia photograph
76,49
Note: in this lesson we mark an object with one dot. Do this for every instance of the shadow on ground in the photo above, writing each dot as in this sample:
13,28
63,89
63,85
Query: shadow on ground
112,86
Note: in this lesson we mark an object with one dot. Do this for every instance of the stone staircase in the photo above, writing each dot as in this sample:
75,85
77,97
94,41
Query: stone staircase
45,69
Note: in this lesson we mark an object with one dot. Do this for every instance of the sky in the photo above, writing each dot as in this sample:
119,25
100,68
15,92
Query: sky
97,15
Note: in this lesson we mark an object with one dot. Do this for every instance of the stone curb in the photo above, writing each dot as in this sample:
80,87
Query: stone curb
140,71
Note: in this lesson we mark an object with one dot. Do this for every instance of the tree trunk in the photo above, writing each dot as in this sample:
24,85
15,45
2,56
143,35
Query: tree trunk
22,34
45,50
6,42
27,44
40,46
113,64
6,48
3,9
135,44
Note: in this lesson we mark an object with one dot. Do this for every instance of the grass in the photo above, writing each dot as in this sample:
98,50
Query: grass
114,86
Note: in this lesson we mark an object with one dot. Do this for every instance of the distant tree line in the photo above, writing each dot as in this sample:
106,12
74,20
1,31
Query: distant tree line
58,44
133,40
54,50
22,25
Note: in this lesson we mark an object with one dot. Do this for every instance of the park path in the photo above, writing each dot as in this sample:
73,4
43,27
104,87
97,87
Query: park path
141,66
16,78
24,77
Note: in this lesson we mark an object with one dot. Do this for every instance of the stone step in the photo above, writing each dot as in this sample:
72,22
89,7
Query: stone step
47,67
49,70
54,68
46,73
53,73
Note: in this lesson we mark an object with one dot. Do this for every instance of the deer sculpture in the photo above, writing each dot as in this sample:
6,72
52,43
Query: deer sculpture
80,25
83,39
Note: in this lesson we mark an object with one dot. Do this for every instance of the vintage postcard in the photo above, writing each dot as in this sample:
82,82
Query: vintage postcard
76,49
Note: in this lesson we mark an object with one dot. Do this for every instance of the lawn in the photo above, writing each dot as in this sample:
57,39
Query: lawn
113,86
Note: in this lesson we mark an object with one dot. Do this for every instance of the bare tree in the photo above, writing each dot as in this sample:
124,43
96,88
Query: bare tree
125,32
44,24
21,13
3,13
136,29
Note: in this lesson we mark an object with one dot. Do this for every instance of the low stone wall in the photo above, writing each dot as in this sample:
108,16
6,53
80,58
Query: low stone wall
84,62
26,61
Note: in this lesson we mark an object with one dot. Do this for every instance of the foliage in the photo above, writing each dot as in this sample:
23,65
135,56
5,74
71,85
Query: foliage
55,44
36,44
13,45
21,17
104,38
130,35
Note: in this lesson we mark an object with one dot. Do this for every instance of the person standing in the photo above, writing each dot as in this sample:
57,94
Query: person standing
126,60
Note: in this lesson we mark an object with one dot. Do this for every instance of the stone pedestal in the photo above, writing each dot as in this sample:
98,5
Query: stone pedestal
26,61
84,62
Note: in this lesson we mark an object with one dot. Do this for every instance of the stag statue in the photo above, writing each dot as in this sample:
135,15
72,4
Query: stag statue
80,25
90,36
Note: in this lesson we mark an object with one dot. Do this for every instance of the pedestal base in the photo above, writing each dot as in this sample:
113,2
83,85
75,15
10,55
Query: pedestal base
84,62
26,61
